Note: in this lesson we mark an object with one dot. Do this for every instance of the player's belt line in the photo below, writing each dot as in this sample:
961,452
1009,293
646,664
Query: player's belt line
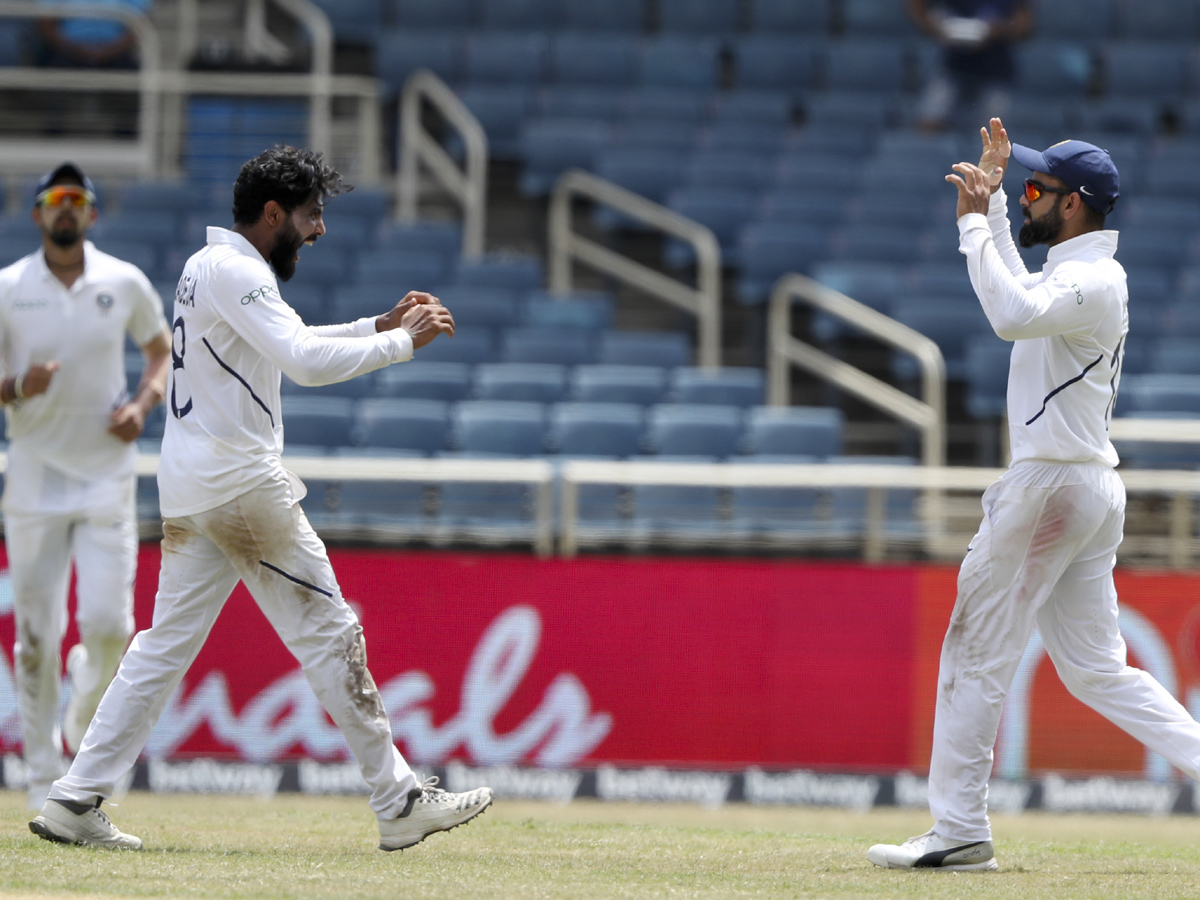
245,383
289,577
1064,385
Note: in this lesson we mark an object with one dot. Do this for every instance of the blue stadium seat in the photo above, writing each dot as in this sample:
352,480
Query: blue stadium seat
812,17
499,428
1163,20
877,284
548,147
452,15
644,385
866,64
157,196
1172,178
778,431
409,424
1155,393
1175,355
474,306
1144,69
531,382
646,171
949,322
157,227
802,206
425,380
348,231
318,421
1177,213
593,59
599,430
325,264
689,429
579,103
644,348
464,347
623,16
144,255
590,310
665,105
441,238
776,62
877,17
1138,116
511,271
851,109
564,347
402,51
725,210
681,61
818,172
519,15
881,243
753,107
715,17
677,512
1054,68
493,58
987,376
1074,20
769,250
1155,246
850,505
778,513
729,386
724,168
350,389
357,21
501,109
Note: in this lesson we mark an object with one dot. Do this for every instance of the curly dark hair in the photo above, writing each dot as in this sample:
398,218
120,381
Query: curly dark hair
287,175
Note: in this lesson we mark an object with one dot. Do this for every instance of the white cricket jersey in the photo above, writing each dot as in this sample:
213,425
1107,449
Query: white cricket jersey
232,335
60,447
1067,323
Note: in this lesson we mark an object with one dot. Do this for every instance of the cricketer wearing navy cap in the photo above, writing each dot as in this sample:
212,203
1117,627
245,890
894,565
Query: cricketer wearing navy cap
1080,166
68,173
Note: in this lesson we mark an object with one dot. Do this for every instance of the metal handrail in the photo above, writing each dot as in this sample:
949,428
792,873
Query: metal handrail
468,185
927,415
567,246
320,78
31,155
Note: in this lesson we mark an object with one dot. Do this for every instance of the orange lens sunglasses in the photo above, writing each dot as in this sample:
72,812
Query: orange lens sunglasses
62,196
1035,189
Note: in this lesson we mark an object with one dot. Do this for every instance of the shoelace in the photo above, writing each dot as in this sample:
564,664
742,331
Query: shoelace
429,789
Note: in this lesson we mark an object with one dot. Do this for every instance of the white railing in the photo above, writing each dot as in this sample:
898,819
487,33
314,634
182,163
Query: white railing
927,415
137,156
467,185
567,246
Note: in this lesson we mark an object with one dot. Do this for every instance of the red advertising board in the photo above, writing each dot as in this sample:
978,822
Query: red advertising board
507,659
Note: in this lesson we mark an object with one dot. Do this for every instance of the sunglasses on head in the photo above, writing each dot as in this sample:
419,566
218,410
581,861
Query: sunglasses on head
66,196
1035,189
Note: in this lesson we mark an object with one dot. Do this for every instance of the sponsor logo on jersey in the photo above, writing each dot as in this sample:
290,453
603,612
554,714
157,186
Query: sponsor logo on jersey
1078,294
25,305
256,293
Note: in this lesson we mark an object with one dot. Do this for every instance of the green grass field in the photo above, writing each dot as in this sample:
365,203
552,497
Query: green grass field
306,847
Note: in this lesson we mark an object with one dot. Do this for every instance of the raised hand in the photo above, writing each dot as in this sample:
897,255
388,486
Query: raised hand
973,190
36,379
996,151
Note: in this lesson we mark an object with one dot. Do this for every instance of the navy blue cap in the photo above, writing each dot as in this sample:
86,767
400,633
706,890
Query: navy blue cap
68,171
1081,167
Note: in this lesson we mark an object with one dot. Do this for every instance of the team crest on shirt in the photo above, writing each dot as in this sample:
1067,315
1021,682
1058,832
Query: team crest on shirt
104,301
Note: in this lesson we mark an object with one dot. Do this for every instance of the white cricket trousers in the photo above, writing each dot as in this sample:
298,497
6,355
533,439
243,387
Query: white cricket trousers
1044,555
41,547
263,539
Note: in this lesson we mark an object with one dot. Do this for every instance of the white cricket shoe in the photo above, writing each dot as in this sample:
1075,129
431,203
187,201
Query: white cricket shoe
90,828
76,719
429,810
932,851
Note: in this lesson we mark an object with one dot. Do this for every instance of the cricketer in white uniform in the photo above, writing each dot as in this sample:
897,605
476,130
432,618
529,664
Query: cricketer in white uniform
231,512
1045,552
65,311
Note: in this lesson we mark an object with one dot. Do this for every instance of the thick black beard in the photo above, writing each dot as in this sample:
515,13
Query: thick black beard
1041,231
283,254
65,237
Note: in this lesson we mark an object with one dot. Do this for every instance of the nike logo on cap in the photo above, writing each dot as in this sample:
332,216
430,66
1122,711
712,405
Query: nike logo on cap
1084,190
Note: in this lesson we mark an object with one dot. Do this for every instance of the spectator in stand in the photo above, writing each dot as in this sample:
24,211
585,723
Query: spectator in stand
977,64
90,42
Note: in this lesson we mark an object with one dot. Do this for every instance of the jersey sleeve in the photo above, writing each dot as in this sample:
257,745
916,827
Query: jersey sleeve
1058,305
364,327
146,319
246,296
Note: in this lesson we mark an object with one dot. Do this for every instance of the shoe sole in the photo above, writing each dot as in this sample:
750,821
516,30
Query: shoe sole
479,812
42,830
987,866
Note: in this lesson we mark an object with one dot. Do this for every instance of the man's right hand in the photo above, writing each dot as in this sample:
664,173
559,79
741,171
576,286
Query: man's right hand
996,151
36,379
425,321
